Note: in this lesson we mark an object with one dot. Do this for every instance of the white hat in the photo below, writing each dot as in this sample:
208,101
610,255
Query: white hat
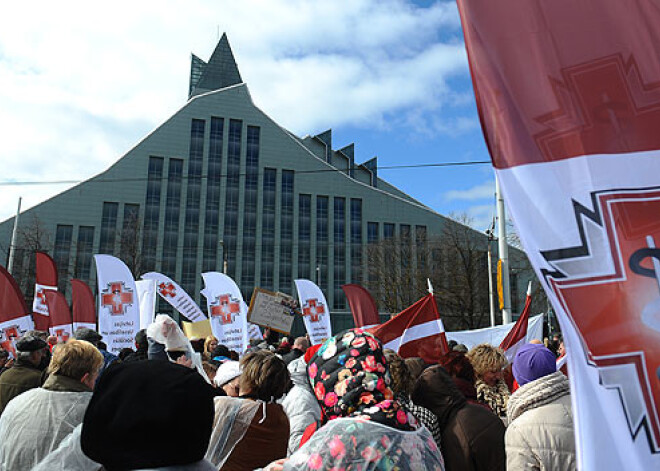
226,372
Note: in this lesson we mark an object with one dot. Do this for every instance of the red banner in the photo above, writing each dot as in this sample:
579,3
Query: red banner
84,309
363,307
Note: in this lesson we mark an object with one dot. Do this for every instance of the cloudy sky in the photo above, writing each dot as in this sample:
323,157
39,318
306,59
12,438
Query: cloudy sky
81,83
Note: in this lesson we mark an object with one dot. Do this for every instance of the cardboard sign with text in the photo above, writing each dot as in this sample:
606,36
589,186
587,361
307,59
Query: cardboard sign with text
274,310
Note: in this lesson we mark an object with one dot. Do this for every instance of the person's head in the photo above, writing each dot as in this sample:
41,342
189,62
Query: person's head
402,381
210,369
30,349
561,351
301,343
451,344
228,378
415,365
4,357
436,391
77,359
148,414
141,342
264,376
209,344
461,348
220,353
487,362
457,366
88,335
124,352
533,362
43,335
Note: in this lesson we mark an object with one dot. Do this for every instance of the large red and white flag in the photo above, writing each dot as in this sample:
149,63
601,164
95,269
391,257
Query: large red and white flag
46,279
15,319
569,99
416,331
82,305
315,311
61,325
517,336
119,309
175,295
227,311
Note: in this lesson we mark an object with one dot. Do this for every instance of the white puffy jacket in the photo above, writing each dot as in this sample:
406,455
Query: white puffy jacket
300,404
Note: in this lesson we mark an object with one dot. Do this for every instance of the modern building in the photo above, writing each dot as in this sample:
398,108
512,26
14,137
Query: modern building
221,181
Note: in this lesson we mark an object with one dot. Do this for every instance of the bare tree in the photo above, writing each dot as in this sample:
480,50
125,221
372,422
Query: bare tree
130,250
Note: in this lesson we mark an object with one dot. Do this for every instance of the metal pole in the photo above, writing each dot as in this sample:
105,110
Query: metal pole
490,283
318,276
12,245
503,253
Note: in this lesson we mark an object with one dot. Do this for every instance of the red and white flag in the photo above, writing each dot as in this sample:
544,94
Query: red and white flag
569,100
227,311
46,279
15,319
416,331
60,316
82,305
119,309
517,336
315,311
174,294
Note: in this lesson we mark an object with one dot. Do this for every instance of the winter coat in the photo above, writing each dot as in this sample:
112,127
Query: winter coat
472,436
22,377
540,434
300,404
293,355
34,423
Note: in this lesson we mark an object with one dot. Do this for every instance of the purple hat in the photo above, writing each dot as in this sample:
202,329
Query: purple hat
532,362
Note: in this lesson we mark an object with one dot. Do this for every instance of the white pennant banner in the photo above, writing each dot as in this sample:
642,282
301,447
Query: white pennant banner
227,311
12,330
119,309
39,304
315,311
146,291
171,292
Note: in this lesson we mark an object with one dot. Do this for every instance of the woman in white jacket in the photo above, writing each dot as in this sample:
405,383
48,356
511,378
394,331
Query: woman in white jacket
300,404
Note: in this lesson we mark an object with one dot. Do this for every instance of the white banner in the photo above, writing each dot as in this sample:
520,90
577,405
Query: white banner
12,330
171,292
119,309
39,303
315,311
227,311
495,335
146,291
78,325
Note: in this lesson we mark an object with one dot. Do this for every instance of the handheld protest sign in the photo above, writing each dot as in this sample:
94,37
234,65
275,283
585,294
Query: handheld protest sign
274,310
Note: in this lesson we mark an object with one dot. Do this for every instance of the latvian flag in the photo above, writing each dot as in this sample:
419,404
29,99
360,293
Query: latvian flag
517,336
415,332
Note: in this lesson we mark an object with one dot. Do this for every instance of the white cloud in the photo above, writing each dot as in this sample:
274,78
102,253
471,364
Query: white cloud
80,83
485,190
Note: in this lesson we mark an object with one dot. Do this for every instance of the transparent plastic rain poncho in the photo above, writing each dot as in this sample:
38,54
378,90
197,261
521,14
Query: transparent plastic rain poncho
69,456
167,332
355,444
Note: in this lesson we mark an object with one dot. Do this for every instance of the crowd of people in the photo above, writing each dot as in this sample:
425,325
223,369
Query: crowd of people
345,404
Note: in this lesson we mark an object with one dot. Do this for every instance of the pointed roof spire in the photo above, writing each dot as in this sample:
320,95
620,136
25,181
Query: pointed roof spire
221,70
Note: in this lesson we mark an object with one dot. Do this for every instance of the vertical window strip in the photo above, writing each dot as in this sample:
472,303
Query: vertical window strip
268,228
249,235
231,194
172,216
339,240
286,231
152,213
213,189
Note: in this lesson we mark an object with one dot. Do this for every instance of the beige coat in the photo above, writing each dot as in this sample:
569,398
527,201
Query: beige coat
540,433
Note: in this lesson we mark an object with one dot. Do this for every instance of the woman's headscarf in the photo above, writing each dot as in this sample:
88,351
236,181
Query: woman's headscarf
350,378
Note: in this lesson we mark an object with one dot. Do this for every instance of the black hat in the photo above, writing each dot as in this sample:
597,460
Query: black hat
220,353
148,414
85,333
30,344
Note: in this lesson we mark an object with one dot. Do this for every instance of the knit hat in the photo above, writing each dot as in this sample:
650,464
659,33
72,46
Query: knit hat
148,414
226,372
532,362
85,333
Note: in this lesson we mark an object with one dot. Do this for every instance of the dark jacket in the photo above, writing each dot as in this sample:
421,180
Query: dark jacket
22,377
472,436
294,354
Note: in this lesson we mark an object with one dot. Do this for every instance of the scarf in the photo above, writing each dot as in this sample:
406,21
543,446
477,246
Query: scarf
496,396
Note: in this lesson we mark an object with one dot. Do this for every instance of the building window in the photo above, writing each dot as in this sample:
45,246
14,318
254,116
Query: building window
268,228
231,200
286,231
356,240
249,235
108,227
339,240
405,249
304,235
421,244
84,249
171,223
213,188
388,230
191,225
372,232
62,253
152,213
322,224
130,237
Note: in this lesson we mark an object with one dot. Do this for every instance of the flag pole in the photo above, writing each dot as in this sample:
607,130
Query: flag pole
503,253
12,245
491,298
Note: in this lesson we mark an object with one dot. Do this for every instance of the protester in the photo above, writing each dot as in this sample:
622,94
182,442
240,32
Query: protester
210,343
472,436
210,369
227,377
34,423
93,337
149,414
252,430
402,384
5,361
415,365
461,371
125,352
488,362
284,347
220,354
300,346
363,426
141,346
540,433
26,373
300,404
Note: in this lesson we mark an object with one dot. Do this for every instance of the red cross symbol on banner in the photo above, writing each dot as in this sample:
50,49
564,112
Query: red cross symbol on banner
41,295
167,289
116,299
313,309
61,335
9,334
226,308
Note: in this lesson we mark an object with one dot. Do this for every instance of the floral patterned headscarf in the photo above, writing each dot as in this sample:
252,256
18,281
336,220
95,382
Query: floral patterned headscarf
350,378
